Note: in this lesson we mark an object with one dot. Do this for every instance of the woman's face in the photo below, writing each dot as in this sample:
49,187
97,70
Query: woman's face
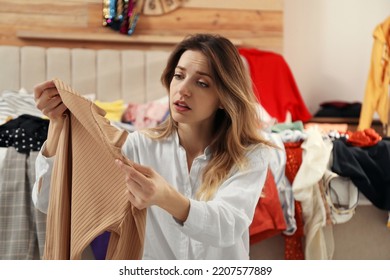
193,96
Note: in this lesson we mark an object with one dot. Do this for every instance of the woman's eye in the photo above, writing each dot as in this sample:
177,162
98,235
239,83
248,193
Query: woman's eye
202,84
178,76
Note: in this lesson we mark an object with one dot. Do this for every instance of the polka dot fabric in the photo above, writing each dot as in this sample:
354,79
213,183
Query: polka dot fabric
25,133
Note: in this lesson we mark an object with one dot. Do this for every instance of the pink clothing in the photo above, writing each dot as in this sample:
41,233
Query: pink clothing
145,115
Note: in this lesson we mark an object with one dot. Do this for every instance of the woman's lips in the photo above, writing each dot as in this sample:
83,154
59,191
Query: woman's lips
181,106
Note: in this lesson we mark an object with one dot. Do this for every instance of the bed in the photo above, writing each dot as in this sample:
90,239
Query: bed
131,76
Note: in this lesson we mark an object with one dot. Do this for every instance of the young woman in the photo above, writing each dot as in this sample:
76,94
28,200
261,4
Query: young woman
201,172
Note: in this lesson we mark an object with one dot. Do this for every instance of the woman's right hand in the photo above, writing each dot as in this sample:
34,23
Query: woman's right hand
49,102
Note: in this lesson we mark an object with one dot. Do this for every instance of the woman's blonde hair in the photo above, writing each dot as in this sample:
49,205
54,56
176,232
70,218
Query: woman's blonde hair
236,125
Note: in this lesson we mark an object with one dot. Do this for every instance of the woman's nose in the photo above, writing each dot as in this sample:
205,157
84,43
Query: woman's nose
184,89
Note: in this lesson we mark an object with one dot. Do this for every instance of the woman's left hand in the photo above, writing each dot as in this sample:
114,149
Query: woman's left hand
145,187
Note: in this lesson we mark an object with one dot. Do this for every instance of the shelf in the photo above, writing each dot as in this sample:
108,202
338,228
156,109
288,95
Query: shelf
105,38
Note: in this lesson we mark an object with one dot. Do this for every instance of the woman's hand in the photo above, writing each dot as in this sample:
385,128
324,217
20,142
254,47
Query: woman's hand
48,100
145,187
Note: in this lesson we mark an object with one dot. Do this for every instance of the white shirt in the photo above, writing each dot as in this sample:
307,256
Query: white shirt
214,229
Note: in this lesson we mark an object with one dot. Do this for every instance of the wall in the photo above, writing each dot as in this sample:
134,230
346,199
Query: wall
327,44
78,23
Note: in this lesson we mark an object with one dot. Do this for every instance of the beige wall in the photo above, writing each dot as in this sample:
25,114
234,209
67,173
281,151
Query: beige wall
327,44
257,23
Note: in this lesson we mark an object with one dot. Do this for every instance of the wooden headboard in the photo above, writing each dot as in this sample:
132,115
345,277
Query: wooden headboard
130,75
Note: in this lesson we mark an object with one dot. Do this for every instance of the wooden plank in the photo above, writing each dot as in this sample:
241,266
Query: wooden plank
190,20
40,7
57,14
259,5
95,15
111,37
254,25
184,20
50,2
46,21
267,43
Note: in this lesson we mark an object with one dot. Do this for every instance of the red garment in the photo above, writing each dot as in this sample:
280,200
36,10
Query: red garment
293,159
365,138
294,244
268,219
274,85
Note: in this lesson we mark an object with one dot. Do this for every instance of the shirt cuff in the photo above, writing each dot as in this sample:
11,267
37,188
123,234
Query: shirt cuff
196,217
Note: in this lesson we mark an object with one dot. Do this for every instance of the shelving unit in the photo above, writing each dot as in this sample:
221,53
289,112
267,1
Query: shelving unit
106,38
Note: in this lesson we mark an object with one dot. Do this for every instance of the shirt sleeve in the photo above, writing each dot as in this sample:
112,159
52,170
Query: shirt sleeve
222,221
41,188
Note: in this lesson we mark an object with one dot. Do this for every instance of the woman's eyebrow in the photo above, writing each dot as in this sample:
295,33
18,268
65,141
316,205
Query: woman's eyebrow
199,72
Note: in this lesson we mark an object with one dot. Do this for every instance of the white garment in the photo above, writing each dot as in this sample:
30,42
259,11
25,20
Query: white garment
16,103
319,244
43,170
3,154
216,229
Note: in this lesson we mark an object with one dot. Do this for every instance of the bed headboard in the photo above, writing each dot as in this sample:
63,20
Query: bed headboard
130,75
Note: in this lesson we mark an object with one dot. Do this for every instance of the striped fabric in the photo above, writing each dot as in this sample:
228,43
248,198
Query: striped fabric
87,195
16,103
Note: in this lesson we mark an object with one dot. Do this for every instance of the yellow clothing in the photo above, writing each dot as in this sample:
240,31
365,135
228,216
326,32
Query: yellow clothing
377,88
114,110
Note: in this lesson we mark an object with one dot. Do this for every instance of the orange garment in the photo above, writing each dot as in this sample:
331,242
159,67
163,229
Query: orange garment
268,219
87,193
365,138
294,243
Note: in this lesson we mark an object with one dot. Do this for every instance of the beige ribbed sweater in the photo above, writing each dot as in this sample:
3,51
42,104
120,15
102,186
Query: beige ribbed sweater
87,195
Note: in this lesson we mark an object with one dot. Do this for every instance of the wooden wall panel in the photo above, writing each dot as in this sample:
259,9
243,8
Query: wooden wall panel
261,5
254,23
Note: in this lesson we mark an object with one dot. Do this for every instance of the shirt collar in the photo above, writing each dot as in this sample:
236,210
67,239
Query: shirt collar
206,153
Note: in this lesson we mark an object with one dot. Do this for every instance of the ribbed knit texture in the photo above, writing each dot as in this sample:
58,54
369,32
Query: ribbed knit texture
87,195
